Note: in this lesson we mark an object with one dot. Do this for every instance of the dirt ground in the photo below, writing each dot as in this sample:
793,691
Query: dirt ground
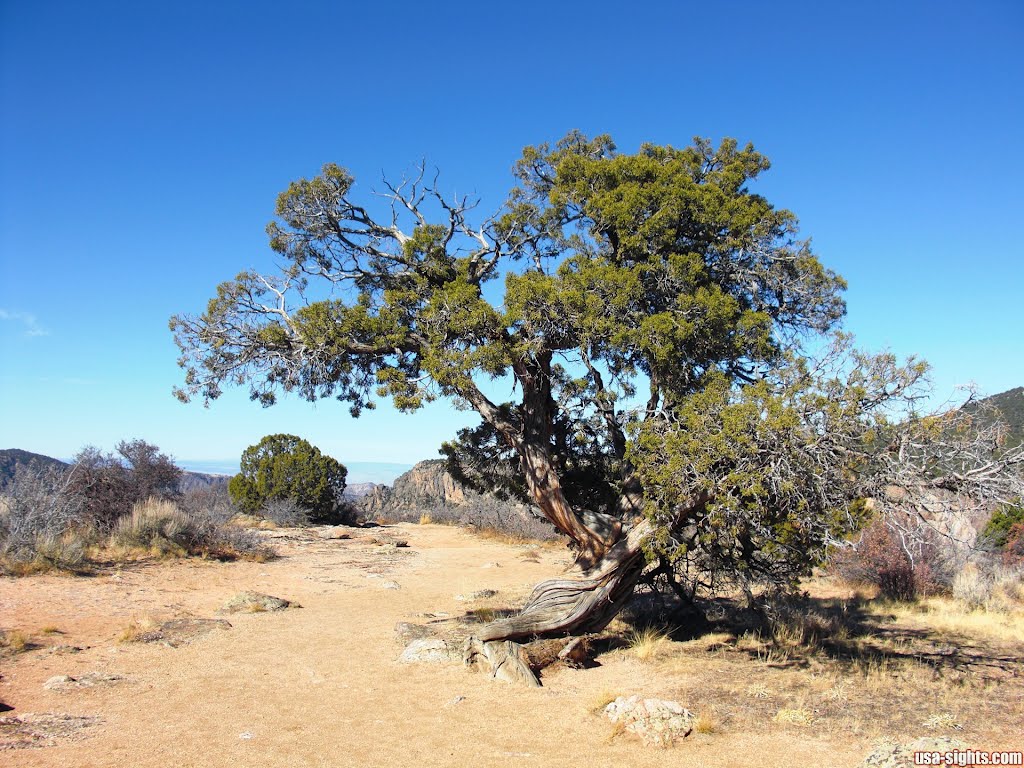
320,685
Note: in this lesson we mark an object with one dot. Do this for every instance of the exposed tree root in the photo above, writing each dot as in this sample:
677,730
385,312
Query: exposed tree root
560,607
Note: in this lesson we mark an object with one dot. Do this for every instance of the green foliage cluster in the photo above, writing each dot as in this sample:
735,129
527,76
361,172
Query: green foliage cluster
997,531
286,467
655,322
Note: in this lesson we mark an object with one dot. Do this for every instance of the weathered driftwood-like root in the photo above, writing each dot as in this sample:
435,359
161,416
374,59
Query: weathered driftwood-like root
565,651
501,660
515,663
562,607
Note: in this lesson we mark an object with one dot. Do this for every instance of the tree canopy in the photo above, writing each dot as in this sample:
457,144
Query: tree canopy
666,336
286,467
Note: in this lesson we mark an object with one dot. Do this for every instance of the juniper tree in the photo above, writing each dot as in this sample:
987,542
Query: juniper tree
651,313
286,468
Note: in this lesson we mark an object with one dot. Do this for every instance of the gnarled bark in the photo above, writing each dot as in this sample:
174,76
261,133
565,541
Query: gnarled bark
579,606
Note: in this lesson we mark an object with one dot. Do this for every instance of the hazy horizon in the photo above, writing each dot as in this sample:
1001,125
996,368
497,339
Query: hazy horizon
381,472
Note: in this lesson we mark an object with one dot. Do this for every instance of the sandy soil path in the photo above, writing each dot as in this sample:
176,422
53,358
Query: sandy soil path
320,685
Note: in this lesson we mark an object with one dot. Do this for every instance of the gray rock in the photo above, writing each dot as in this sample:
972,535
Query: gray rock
177,632
46,729
256,602
64,683
406,632
428,649
335,532
655,721
390,585
890,754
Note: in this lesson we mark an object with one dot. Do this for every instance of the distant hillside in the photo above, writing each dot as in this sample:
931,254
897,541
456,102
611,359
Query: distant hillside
1010,405
428,489
12,458
358,490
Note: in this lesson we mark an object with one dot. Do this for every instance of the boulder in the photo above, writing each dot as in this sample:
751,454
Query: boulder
655,721
64,683
335,532
428,649
255,602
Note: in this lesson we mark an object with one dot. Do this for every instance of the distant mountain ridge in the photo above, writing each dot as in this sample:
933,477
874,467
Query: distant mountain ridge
12,458
1010,405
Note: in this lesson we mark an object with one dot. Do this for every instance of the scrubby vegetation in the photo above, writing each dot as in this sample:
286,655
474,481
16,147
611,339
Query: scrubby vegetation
107,507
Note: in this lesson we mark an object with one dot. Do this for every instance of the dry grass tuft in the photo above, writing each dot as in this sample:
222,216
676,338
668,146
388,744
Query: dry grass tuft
50,629
942,721
759,691
426,519
648,643
796,716
15,641
137,629
617,729
484,615
602,700
707,722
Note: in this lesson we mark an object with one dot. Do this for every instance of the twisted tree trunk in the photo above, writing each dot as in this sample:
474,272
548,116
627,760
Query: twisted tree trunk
579,606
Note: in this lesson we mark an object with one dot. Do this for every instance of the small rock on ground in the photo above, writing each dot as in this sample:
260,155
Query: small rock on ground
429,650
891,754
255,602
335,532
406,632
180,631
29,731
655,721
64,683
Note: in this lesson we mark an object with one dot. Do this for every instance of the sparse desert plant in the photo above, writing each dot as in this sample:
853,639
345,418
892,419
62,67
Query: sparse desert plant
211,504
425,518
137,628
881,558
759,691
602,700
14,641
647,643
707,722
110,484
971,587
159,527
942,721
1013,551
1009,581
798,715
285,512
40,526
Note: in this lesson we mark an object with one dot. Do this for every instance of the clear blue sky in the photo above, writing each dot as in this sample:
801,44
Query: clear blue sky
143,145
